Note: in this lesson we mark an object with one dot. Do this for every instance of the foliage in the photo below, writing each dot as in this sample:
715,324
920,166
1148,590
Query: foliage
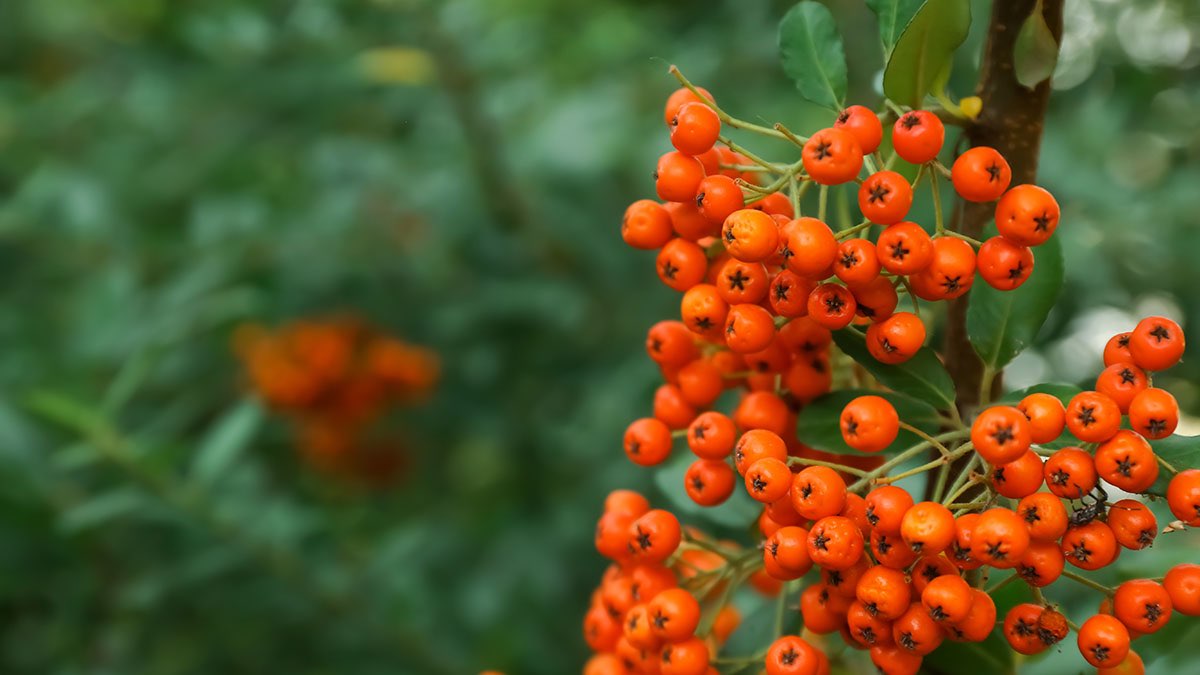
453,172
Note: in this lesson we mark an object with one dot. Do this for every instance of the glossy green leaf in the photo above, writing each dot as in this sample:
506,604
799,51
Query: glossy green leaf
818,425
893,16
231,434
925,49
1181,452
1035,53
811,51
922,377
1000,324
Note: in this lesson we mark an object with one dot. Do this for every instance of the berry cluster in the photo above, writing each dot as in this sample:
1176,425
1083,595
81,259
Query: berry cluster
745,259
335,378
764,289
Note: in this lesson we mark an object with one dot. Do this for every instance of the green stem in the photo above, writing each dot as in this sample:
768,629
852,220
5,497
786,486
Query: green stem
749,155
962,482
928,439
851,231
794,193
797,140
900,459
960,235
985,384
1008,580
822,203
725,117
940,461
804,461
939,222
940,487
1087,582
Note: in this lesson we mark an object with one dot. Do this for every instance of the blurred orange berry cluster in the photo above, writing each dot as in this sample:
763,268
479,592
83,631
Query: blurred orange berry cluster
337,378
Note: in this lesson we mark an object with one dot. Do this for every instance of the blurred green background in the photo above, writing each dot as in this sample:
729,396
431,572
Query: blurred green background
453,172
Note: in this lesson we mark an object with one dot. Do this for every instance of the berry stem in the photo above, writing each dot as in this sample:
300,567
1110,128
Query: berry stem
781,605
960,235
693,542
794,193
823,203
985,384
804,461
903,457
798,140
743,167
912,297
928,439
1165,464
1088,582
725,117
939,221
896,109
749,155
851,231
1007,580
736,576
940,461
939,488
751,187
964,481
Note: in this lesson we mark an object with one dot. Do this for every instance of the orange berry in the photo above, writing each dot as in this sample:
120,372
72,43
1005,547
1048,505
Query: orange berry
832,156
980,175
1027,215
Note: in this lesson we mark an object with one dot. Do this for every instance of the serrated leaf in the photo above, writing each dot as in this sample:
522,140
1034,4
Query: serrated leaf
818,425
1035,53
1181,452
1000,324
227,438
893,16
922,377
924,49
737,511
811,51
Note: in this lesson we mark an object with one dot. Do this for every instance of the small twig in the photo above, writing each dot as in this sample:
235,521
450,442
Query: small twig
1087,582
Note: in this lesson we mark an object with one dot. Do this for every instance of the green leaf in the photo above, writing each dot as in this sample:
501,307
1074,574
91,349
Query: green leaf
1000,324
1181,452
1035,52
225,441
102,509
924,49
735,512
812,54
922,377
1060,391
893,16
66,412
819,427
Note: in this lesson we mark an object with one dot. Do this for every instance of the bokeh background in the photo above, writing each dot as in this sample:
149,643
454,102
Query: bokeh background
174,174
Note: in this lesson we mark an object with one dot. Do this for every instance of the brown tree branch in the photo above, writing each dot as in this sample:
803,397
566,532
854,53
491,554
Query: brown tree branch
1012,121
